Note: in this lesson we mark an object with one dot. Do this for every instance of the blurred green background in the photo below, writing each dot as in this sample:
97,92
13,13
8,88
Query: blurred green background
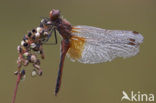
82,83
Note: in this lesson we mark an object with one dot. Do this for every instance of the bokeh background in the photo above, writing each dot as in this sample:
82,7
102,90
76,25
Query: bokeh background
82,83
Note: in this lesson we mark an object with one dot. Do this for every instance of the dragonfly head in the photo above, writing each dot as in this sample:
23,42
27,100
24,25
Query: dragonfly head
54,14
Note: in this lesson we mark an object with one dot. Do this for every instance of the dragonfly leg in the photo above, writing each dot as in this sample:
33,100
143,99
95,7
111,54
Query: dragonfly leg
64,49
49,35
55,36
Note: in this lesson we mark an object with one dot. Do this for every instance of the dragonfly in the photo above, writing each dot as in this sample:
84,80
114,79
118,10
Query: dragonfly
90,45
81,43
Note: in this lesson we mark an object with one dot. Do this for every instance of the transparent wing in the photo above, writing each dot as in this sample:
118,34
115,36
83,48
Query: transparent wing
101,45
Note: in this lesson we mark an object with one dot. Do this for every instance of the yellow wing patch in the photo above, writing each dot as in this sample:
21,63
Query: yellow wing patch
76,47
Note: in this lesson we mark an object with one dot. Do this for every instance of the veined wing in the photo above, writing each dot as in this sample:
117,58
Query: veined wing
95,45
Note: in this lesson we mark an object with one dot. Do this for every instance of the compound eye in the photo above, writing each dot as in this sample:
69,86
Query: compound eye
54,14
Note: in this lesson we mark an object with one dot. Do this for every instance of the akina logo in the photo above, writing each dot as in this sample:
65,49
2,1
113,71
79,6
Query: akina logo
137,96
